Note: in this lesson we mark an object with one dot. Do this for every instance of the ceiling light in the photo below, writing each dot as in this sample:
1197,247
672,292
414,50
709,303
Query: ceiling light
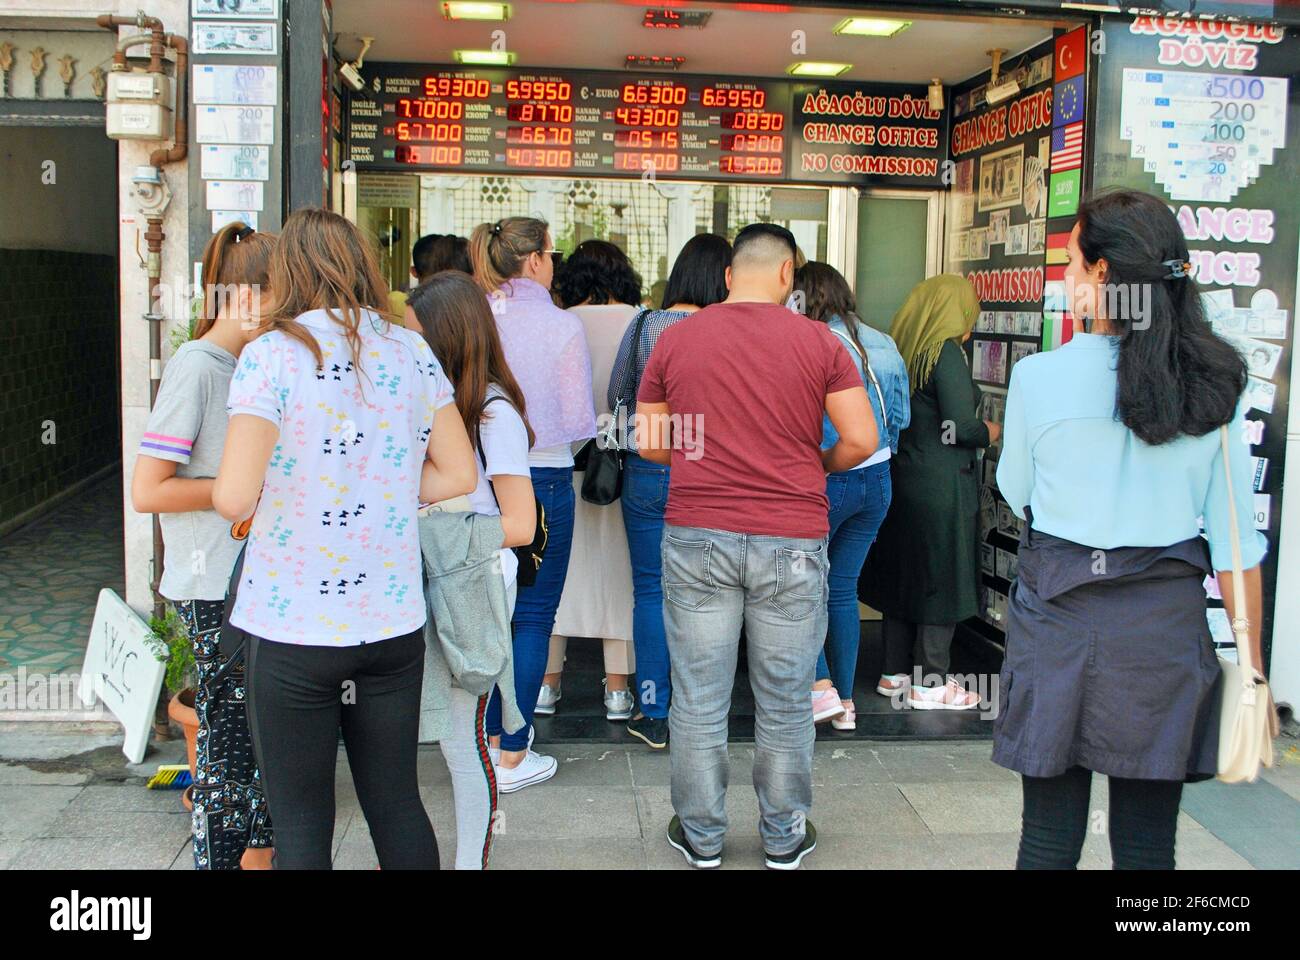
467,10
485,58
1093,7
817,68
871,27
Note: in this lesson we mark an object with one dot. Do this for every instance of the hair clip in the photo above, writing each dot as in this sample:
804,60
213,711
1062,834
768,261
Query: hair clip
496,228
243,232
1178,269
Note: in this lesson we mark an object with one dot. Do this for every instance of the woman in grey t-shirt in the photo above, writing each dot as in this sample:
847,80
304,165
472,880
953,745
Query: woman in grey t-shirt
178,459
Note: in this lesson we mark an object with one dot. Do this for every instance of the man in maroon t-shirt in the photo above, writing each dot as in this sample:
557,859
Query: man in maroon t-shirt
733,398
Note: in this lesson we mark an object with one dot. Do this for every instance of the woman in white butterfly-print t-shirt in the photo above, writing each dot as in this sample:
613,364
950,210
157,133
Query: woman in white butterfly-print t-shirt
341,422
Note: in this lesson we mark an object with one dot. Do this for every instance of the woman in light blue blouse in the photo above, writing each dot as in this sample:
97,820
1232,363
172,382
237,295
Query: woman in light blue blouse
1111,452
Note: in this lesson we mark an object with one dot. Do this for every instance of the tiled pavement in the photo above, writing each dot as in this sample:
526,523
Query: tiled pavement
928,805
47,606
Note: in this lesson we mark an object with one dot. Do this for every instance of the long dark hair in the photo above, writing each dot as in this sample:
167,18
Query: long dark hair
460,329
699,276
597,272
826,295
1176,376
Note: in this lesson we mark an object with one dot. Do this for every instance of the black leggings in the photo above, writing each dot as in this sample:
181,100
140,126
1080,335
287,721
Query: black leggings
298,698
1143,821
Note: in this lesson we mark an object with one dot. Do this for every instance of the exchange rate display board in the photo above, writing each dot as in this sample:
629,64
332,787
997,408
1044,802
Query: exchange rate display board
420,118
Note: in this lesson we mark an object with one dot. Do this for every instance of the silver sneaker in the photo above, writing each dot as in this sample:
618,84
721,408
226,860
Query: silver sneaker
618,704
547,699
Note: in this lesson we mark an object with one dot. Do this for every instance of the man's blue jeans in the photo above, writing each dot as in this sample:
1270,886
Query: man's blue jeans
859,500
535,606
715,582
644,499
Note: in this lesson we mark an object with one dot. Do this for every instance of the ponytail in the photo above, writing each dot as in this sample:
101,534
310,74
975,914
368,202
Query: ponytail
497,250
236,256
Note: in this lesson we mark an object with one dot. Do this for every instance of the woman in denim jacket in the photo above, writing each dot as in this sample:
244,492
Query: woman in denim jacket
858,498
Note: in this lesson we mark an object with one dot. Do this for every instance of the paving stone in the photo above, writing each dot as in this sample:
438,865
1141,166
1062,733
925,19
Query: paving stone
27,811
98,853
942,763
595,765
551,810
966,807
16,774
1201,850
532,853
879,852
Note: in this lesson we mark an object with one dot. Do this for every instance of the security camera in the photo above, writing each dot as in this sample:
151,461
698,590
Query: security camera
351,72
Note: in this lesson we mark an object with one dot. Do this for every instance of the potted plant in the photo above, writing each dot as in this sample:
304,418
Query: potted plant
172,646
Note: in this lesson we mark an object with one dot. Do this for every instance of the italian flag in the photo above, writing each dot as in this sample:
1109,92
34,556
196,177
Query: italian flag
1057,329
1058,325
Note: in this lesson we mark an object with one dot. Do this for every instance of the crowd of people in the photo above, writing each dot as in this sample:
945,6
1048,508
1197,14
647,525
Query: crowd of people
407,470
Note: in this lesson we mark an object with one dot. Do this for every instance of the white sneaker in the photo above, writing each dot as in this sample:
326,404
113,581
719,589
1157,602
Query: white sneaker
534,768
547,699
619,704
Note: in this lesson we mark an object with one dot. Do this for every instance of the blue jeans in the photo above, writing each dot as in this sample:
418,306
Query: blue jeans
535,606
859,500
715,582
644,499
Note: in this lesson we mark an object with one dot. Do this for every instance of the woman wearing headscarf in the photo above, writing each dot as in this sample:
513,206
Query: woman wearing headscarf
922,574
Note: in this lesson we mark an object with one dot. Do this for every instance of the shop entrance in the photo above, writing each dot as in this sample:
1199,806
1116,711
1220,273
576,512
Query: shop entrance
854,167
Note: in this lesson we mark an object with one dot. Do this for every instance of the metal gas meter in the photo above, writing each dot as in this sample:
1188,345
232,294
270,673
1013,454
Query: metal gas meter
139,105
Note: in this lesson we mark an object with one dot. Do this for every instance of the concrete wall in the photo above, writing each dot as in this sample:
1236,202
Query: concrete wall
134,302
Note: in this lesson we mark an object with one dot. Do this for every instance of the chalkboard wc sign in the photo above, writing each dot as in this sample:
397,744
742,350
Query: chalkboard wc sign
122,670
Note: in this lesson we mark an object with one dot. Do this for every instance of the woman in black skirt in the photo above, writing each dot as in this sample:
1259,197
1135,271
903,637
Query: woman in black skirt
1112,454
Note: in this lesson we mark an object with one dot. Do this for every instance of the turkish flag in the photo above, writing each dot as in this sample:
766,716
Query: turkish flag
1071,54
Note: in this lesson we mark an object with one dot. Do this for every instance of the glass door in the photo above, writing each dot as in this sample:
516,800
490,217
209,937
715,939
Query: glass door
896,245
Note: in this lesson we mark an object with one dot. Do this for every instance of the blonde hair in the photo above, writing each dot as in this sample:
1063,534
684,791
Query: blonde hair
236,255
323,262
498,250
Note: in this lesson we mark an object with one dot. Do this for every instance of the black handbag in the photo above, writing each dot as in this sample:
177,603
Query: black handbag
530,555
603,455
232,641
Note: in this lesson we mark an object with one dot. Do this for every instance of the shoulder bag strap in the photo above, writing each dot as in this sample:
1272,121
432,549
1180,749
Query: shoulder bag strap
1240,622
630,378
871,374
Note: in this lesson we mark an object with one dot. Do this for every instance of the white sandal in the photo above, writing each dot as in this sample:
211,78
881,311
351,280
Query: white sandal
951,696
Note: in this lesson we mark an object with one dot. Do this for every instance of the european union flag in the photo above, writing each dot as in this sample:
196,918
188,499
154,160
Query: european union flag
1067,100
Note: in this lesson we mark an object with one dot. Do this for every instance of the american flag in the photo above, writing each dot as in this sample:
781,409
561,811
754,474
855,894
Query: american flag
1067,147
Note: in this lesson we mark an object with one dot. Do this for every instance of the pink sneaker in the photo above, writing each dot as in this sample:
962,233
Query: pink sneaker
826,704
950,696
848,720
